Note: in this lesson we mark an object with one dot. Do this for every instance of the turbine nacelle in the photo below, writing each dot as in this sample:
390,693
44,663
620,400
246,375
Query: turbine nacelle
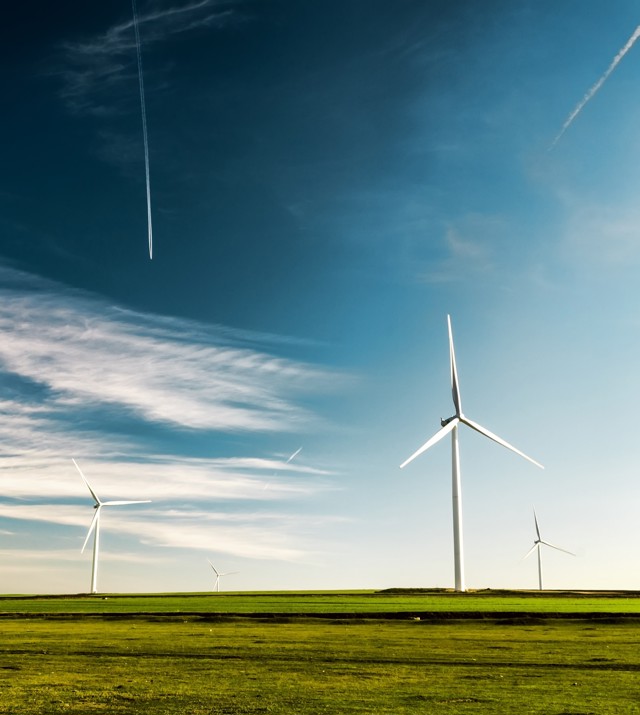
539,542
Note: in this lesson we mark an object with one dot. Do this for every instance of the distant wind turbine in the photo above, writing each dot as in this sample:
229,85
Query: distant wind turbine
95,525
537,545
451,425
219,575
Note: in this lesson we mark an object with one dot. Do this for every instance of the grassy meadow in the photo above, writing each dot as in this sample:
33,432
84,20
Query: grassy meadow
399,601
163,657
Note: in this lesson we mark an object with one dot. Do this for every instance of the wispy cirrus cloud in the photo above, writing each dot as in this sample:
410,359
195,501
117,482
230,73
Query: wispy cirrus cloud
603,235
93,66
65,350
468,250
73,367
256,535
52,476
253,534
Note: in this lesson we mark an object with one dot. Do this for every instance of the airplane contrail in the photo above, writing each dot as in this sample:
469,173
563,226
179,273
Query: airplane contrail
589,95
293,456
144,128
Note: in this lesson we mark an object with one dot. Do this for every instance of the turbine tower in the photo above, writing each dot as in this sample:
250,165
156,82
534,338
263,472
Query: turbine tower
451,425
537,544
95,525
219,575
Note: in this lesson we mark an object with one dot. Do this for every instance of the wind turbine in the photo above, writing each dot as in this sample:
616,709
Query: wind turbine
95,525
451,425
537,544
219,575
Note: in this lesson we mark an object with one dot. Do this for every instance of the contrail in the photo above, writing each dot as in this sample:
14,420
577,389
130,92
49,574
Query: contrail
144,128
295,454
589,95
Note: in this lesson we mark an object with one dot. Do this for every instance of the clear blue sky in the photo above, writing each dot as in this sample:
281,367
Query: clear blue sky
328,181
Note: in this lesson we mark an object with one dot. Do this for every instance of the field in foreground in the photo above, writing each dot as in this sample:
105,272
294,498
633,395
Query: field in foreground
204,661
375,603
173,667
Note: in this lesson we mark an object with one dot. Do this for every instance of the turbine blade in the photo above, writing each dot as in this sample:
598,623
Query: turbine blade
455,387
229,573
557,548
495,438
93,494
123,503
94,521
531,550
214,568
535,518
429,443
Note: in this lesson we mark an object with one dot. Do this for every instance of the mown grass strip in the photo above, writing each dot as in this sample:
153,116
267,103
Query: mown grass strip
331,603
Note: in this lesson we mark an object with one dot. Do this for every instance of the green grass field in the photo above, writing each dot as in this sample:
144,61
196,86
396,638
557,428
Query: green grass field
108,657
336,602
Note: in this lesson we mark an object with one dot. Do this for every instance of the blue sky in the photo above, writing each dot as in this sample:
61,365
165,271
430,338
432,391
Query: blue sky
329,180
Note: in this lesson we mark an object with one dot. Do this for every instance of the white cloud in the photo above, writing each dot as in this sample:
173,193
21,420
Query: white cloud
603,234
63,514
258,535
95,65
468,248
70,365
464,249
70,351
47,475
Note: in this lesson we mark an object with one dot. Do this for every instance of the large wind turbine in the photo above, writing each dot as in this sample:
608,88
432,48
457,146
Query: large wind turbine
537,544
95,525
451,425
219,575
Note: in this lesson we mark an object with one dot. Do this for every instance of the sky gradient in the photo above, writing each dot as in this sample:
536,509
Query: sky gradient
328,181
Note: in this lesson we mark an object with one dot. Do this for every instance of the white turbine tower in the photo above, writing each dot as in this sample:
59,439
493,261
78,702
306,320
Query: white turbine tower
537,544
451,425
219,575
95,525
